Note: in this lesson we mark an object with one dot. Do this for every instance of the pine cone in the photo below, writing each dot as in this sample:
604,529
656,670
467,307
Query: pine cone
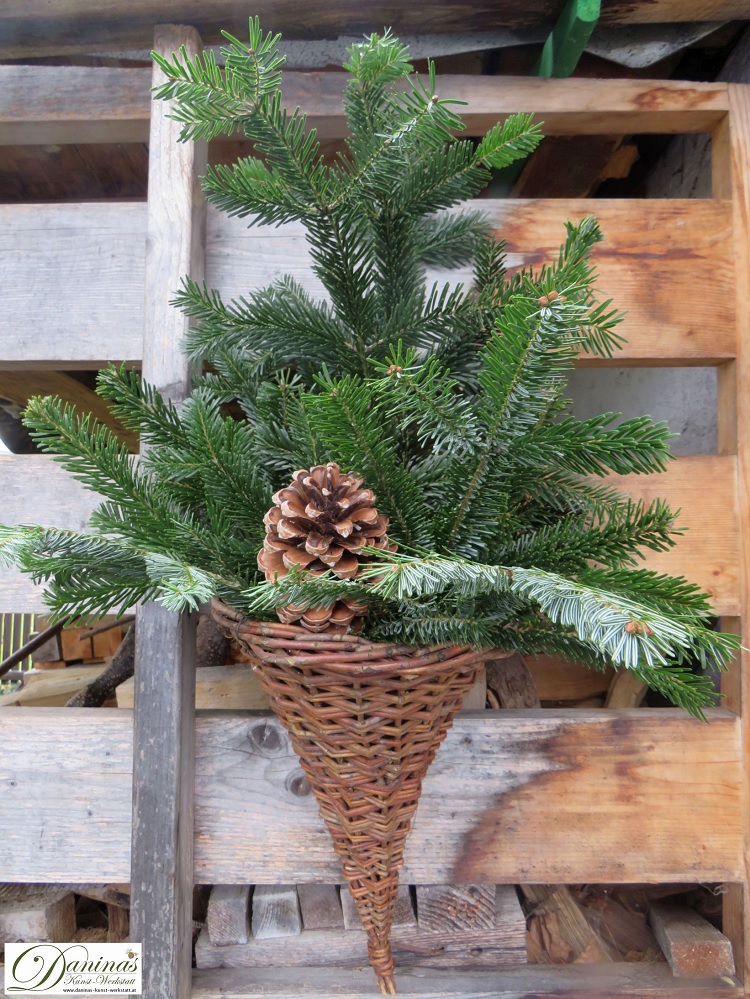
321,522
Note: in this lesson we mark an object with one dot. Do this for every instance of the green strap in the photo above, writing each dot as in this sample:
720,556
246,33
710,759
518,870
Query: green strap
568,38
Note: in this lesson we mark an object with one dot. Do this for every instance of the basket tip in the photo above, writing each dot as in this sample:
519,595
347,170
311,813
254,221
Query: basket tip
387,985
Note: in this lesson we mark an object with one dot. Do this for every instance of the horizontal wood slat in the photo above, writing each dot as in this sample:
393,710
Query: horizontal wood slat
80,104
71,279
655,796
704,489
37,490
599,981
78,271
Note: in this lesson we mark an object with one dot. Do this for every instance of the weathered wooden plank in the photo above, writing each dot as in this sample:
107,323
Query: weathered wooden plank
235,687
36,490
93,257
73,104
456,907
53,920
76,26
275,912
228,918
692,946
403,914
484,815
78,271
20,386
320,906
704,489
624,981
498,942
730,165
51,688
164,729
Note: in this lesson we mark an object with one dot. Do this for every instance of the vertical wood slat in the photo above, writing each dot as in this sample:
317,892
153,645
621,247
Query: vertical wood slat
730,159
163,764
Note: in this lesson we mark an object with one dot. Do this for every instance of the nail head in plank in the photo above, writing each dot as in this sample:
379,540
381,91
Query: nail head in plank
693,947
275,912
228,917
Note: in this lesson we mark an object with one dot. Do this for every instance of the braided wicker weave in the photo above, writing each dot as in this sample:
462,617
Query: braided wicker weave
365,719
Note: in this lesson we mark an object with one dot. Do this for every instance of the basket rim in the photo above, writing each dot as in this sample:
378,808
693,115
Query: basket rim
269,642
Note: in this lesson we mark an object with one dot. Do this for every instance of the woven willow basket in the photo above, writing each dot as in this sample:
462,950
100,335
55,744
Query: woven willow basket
365,719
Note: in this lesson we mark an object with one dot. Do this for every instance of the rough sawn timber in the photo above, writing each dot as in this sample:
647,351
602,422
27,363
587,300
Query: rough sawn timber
614,981
484,816
79,269
34,28
163,721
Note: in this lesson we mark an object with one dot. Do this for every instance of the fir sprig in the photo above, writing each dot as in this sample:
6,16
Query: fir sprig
448,399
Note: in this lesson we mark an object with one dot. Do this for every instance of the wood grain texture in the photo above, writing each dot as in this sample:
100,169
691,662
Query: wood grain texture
78,270
654,255
36,490
75,26
692,946
498,943
457,907
51,688
164,728
233,687
20,386
403,915
704,489
320,906
73,104
275,912
228,917
484,816
615,981
730,162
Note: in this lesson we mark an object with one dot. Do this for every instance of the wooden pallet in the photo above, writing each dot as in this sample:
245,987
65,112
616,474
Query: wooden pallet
512,794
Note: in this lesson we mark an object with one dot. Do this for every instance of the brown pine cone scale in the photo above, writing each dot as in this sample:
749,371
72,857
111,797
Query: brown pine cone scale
321,522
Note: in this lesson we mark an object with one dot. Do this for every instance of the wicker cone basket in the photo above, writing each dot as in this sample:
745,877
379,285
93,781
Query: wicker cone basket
365,719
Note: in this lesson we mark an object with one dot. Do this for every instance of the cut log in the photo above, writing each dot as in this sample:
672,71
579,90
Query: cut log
275,912
511,682
456,907
50,652
321,907
118,924
106,684
106,643
228,917
233,687
625,691
501,945
692,946
403,914
558,931
51,688
558,680
53,921
74,646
